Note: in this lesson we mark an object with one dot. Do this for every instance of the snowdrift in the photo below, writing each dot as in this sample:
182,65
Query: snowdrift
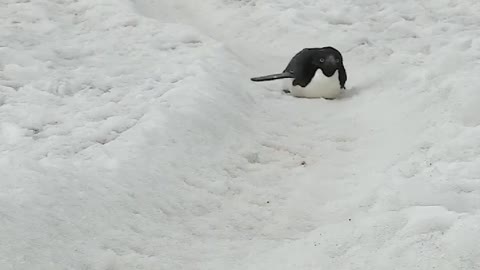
132,138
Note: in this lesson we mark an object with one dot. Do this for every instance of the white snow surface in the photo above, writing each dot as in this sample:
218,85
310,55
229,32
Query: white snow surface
132,138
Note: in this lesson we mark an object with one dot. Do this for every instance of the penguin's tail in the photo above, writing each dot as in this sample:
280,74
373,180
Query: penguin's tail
273,77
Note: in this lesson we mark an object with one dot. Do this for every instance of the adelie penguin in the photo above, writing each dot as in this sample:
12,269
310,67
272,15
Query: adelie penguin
313,73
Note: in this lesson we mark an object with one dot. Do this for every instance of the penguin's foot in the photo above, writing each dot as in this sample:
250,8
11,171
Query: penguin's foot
286,91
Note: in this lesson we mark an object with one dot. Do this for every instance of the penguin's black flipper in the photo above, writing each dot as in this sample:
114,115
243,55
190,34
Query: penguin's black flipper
342,76
273,77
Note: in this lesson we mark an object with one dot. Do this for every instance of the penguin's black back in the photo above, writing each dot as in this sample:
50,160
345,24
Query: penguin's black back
302,72
302,67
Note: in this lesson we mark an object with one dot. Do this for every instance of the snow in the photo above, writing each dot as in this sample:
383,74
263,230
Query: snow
132,138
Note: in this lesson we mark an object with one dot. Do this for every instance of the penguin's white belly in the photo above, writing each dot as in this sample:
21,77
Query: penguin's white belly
321,86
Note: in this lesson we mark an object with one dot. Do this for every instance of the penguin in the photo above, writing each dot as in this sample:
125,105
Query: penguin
313,73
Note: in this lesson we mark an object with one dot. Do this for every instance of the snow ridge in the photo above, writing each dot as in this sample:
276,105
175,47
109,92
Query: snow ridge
131,137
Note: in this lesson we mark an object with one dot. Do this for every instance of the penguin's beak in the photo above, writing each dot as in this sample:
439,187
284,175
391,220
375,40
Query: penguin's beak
330,65
330,61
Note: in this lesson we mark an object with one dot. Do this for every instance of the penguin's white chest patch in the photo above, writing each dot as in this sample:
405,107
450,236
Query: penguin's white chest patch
321,86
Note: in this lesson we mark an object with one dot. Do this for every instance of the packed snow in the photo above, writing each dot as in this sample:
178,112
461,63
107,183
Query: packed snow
132,138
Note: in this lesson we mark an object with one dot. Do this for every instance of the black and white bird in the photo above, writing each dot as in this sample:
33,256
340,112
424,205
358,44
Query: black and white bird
313,73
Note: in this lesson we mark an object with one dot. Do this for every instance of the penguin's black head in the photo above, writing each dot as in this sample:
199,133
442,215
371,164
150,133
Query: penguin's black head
328,60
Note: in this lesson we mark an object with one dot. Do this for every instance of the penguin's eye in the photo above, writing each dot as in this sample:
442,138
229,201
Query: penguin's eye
322,60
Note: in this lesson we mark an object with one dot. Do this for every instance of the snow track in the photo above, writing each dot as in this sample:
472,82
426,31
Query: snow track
132,138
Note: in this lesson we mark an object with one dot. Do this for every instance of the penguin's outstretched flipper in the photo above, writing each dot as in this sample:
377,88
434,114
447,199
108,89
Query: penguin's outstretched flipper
273,77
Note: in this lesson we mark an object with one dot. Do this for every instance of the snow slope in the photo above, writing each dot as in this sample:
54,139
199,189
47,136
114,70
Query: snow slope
132,138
